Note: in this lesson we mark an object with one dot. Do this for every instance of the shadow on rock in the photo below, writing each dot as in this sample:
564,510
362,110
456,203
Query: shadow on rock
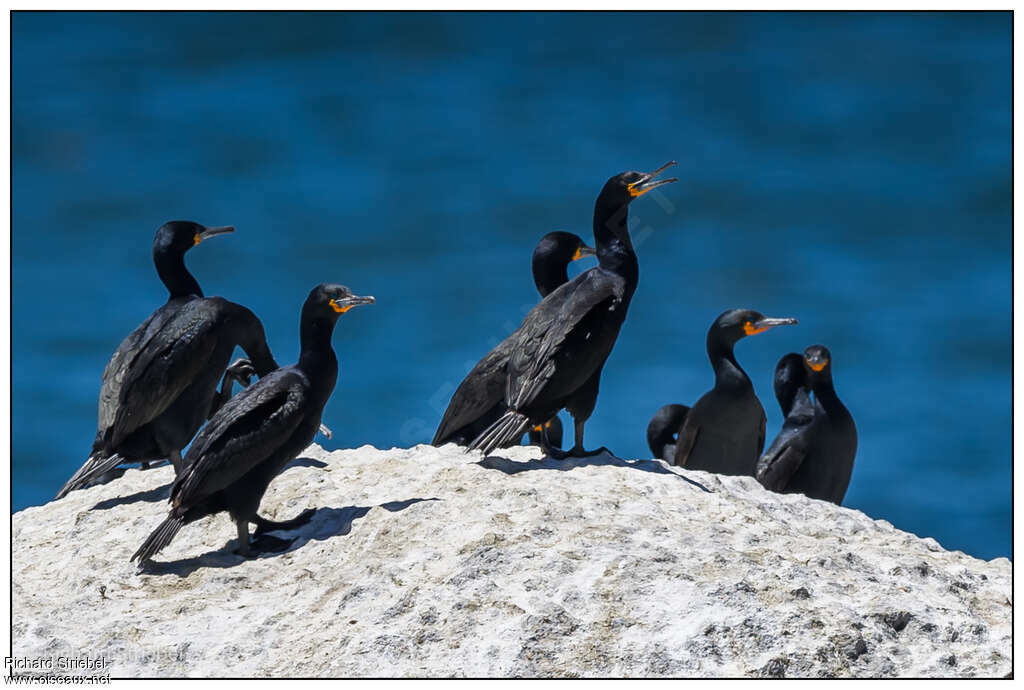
495,462
160,493
325,524
306,462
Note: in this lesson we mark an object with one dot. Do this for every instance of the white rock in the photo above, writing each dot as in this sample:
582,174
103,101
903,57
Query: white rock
431,562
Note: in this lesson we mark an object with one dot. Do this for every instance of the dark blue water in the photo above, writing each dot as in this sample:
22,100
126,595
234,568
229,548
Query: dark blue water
852,170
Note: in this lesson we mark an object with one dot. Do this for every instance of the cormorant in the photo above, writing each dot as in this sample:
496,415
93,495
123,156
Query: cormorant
814,453
477,402
724,431
662,431
258,432
161,383
559,350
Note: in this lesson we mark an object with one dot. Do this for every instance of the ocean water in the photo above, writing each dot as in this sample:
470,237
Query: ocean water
850,169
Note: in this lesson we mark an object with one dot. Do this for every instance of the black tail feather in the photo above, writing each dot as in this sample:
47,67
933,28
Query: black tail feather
509,427
95,467
160,538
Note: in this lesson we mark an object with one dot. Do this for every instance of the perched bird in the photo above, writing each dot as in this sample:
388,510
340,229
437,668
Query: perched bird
558,352
814,452
724,431
662,431
258,432
161,383
478,401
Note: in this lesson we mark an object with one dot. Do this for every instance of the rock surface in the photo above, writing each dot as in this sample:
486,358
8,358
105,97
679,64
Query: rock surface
432,562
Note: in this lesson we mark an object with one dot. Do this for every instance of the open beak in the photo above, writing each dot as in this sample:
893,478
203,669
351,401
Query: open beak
647,182
582,251
207,233
766,323
345,303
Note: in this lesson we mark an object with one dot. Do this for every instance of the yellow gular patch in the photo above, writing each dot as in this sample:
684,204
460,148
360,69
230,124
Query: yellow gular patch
633,191
197,239
538,428
819,366
750,329
578,255
338,308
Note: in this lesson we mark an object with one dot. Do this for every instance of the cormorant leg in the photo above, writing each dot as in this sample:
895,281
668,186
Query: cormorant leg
243,538
577,450
265,525
175,457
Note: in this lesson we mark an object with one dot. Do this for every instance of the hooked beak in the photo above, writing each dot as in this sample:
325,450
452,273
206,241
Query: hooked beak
582,251
647,182
345,303
207,233
766,323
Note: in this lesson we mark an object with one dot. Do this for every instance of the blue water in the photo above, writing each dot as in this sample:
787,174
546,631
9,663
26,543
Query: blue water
852,170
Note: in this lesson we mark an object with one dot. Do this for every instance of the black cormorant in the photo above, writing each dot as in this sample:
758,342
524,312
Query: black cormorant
161,383
258,432
477,402
663,429
724,431
559,350
814,453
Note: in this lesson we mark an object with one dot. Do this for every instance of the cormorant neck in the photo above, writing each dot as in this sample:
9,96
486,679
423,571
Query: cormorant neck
171,269
611,237
825,394
547,276
728,371
317,356
786,398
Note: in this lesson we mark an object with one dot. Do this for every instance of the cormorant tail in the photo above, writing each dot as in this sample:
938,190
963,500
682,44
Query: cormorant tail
509,427
95,467
160,538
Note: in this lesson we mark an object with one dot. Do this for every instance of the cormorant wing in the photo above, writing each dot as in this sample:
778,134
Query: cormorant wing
788,450
531,363
247,430
120,364
780,463
165,366
482,389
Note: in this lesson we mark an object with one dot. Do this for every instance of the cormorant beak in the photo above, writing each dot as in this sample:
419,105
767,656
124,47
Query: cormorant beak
817,361
753,328
343,304
582,251
646,182
207,233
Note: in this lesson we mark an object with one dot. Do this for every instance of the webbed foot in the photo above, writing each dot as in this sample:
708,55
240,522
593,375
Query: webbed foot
241,371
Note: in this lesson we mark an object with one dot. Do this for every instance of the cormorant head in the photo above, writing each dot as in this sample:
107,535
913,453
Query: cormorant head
624,187
818,360
560,248
735,324
331,301
178,236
